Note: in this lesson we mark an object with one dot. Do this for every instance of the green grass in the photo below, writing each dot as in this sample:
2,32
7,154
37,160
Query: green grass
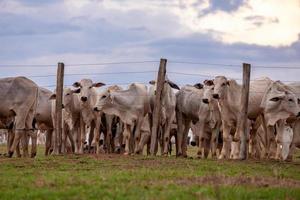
142,177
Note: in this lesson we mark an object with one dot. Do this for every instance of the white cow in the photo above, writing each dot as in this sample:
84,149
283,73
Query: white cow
168,104
190,108
263,95
19,100
287,149
89,119
110,122
130,106
71,119
43,118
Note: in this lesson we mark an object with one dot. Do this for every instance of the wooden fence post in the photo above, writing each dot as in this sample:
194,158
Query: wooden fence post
244,110
58,105
157,105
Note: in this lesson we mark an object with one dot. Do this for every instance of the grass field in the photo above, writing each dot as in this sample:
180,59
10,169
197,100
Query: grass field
142,177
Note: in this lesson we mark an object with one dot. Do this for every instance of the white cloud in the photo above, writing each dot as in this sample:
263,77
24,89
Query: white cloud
268,22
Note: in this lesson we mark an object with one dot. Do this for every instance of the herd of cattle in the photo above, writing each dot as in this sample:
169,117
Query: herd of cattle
120,120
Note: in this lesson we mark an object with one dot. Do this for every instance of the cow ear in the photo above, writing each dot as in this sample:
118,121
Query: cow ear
76,91
52,97
152,82
99,84
209,82
173,85
76,84
198,86
111,97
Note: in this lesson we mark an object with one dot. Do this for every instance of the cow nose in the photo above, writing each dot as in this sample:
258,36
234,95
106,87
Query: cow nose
193,143
205,101
216,96
83,99
96,109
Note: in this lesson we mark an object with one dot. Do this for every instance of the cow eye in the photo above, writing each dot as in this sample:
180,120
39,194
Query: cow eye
291,100
223,84
103,97
212,88
90,87
275,99
68,94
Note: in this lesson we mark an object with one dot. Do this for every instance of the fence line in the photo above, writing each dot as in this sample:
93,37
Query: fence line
143,62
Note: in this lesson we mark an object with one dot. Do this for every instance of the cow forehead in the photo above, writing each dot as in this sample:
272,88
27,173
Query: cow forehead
66,90
220,79
86,82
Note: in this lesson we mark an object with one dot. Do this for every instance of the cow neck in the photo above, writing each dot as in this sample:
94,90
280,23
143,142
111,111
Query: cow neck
232,98
70,108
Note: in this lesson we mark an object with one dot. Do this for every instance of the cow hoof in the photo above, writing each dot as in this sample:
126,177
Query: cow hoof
10,154
179,155
165,154
126,154
33,155
118,150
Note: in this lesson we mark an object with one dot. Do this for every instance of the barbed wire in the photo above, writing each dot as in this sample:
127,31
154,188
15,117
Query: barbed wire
146,61
75,64
231,65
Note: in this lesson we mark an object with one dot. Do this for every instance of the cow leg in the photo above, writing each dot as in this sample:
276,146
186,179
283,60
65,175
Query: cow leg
180,127
117,138
214,141
226,141
166,138
91,137
137,133
76,134
10,139
145,139
71,138
201,138
33,136
82,136
20,122
185,137
127,134
48,142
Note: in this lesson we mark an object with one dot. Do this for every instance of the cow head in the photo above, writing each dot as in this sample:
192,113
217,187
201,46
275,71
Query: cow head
67,96
220,87
86,86
279,102
208,91
105,98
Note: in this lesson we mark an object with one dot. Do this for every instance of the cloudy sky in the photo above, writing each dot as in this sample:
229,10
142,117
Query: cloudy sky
191,34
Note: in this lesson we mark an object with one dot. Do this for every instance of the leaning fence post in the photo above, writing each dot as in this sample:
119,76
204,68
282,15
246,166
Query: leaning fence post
244,109
157,105
58,105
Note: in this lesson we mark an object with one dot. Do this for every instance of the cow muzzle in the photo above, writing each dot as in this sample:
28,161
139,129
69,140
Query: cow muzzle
205,101
193,143
84,99
216,96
